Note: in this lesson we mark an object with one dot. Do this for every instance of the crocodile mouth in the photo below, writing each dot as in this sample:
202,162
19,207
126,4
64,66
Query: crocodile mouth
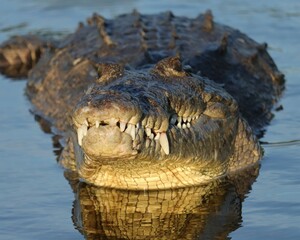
138,116
118,138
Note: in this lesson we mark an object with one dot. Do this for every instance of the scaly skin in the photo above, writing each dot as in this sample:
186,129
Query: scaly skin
160,122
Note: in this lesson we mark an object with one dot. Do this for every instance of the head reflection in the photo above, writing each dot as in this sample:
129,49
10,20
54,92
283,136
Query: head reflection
211,211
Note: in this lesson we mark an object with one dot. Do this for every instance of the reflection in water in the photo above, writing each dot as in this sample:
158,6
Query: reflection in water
206,212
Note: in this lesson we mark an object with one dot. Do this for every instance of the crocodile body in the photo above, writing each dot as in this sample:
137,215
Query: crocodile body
150,101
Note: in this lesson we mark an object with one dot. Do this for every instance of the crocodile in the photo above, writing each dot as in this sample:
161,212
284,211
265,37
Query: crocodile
150,101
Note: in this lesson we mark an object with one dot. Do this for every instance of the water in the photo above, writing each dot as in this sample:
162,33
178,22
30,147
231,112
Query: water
36,200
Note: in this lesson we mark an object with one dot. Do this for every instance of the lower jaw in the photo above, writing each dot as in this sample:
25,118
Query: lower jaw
148,175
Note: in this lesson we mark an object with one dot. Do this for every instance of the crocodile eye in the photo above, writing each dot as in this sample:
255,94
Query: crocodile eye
170,67
216,110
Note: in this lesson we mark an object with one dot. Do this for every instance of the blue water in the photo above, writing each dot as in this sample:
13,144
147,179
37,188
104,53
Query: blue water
35,198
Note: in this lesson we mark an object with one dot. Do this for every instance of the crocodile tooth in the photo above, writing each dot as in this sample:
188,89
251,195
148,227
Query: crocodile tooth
184,126
144,122
179,120
130,130
86,122
81,132
84,129
188,125
179,124
189,119
163,140
137,127
184,119
97,123
157,136
122,126
79,136
151,136
148,131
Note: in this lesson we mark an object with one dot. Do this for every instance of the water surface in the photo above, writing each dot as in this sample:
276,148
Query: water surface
36,200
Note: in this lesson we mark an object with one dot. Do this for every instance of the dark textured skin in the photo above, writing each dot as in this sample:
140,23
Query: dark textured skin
75,67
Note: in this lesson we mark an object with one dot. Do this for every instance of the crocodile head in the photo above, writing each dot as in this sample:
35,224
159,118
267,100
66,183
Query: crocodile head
152,129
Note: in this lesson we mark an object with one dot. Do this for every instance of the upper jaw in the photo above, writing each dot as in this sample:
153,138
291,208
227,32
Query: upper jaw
135,132
138,131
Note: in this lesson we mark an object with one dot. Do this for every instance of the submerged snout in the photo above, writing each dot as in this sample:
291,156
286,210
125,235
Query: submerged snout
108,142
106,123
